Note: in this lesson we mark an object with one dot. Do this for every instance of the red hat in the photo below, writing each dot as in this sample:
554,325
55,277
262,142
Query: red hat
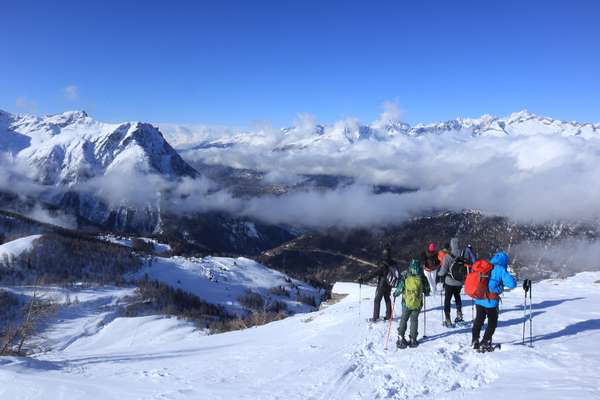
432,247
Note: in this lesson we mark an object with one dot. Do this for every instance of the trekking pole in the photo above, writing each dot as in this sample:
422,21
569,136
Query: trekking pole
530,316
359,299
525,290
387,336
442,303
424,316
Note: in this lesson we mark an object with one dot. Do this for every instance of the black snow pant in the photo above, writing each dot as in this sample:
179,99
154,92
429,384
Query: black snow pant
492,323
452,291
383,292
413,315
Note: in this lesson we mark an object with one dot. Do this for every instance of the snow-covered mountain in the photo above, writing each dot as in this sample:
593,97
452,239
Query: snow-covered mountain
350,131
71,147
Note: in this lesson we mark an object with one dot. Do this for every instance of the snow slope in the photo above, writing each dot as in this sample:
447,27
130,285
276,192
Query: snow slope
158,247
71,148
329,354
222,281
15,247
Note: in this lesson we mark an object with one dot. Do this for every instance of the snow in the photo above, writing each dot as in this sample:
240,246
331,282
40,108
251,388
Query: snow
71,147
308,136
329,354
223,281
159,248
18,246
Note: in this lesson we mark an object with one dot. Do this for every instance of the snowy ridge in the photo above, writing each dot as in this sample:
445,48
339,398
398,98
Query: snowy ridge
15,247
350,131
222,281
71,148
329,354
157,247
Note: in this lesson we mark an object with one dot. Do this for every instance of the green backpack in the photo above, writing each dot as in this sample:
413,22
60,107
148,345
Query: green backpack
413,292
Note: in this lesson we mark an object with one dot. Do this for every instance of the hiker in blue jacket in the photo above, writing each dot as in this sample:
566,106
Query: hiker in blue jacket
500,278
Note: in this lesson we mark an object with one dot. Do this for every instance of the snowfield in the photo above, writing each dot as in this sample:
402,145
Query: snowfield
222,281
329,354
15,247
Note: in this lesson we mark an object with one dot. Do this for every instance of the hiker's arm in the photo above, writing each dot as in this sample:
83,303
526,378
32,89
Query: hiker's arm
378,271
508,280
400,286
471,255
445,265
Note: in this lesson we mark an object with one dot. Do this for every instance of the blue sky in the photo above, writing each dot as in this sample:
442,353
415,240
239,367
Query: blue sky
238,62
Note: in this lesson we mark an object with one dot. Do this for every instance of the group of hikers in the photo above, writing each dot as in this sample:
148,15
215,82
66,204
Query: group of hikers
454,268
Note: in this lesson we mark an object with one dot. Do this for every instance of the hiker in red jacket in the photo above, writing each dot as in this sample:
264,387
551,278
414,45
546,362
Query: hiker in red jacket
431,264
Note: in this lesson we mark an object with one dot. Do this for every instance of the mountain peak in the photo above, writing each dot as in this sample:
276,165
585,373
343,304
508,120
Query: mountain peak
523,114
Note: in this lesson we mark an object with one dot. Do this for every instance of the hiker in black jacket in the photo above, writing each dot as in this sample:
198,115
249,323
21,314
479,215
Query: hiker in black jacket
383,288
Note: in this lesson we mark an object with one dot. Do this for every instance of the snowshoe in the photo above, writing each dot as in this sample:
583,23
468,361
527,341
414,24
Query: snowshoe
401,343
413,343
488,347
448,324
459,319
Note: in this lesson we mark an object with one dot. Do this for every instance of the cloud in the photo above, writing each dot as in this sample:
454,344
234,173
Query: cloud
391,112
556,259
538,176
55,218
26,105
71,92
534,177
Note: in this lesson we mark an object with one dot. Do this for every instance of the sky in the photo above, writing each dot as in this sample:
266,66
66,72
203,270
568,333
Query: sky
242,62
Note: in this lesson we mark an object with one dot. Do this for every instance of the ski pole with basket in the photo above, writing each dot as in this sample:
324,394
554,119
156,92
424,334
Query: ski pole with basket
527,290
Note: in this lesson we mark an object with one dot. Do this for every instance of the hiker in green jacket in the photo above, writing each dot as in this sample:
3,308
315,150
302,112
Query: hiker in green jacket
411,285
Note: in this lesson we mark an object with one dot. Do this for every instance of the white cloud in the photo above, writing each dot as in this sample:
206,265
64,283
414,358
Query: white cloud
391,112
26,105
71,92
543,176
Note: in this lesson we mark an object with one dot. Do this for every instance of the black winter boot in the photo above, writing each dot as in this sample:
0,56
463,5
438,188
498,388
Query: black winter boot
413,342
401,343
475,344
459,317
485,347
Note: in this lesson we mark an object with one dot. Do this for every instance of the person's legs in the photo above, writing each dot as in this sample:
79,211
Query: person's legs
377,302
387,291
492,316
447,298
431,276
403,322
478,323
458,300
414,325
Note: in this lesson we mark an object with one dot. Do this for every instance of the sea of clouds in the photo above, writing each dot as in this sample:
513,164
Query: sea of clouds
538,176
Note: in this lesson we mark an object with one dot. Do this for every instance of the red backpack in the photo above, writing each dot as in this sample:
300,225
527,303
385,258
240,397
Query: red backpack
476,283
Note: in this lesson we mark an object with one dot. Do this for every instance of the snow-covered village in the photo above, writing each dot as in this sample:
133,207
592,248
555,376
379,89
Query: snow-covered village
299,200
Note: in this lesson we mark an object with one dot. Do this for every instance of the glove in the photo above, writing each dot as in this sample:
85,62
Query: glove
361,280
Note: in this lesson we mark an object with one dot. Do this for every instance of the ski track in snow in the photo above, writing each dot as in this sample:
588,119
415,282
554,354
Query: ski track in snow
329,354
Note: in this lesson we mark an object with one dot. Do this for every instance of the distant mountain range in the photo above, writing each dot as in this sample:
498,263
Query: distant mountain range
61,154
350,131
70,148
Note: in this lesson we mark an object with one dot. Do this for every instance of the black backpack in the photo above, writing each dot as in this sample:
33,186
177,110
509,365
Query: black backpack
458,270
